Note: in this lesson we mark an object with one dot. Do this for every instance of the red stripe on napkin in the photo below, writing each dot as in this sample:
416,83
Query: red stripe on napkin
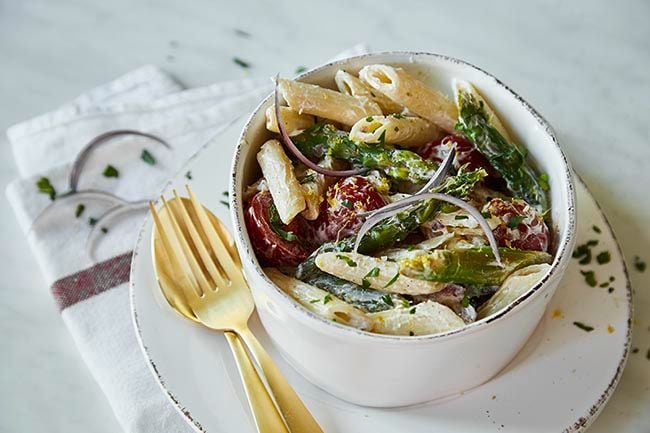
92,281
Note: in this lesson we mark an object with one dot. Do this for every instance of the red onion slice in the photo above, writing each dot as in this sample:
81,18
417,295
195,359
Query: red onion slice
373,220
112,213
440,173
296,152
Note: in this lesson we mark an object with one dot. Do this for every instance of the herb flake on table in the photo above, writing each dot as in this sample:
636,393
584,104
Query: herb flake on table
242,33
590,278
603,257
79,210
111,171
584,327
583,252
188,175
596,229
45,187
300,69
639,264
104,230
147,157
226,204
240,62
92,221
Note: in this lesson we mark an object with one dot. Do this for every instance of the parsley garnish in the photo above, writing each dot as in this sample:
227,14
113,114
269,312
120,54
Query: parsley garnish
411,333
300,69
583,252
543,181
313,301
388,300
374,272
590,278
465,301
596,229
347,204
392,280
311,177
412,310
147,157
610,290
277,226
225,203
92,221
486,215
111,171
639,264
225,194
603,257
461,217
241,63
382,137
406,303
348,261
327,298
104,230
396,129
583,326
188,175
369,119
45,187
242,33
515,220
397,116
80,209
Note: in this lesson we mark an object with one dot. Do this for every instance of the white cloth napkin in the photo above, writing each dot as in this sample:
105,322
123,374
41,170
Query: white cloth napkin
89,280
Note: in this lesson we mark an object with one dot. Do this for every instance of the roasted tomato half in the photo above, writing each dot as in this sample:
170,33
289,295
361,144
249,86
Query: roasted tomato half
520,226
345,199
275,243
466,153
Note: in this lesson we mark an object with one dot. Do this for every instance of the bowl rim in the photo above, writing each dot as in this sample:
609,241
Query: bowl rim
304,315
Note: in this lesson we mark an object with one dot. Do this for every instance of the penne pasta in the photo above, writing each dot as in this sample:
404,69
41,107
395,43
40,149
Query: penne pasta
518,283
422,319
319,301
395,129
326,103
413,94
294,122
281,180
377,273
313,187
464,86
353,86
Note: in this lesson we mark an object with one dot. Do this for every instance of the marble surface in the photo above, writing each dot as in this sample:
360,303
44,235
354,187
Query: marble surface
582,64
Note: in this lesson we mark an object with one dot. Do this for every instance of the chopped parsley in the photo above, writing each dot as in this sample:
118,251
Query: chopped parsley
610,290
605,284
225,194
92,221
347,204
392,280
411,333
300,69
147,157
327,298
515,220
369,119
397,116
240,62
188,175
412,310
603,257
583,252
388,300
584,327
590,278
461,217
396,129
242,33
104,230
406,303
276,224
465,301
313,301
111,171
80,209
311,177
486,215
382,137
225,203
543,181
374,272
348,261
639,264
45,187
612,279
596,228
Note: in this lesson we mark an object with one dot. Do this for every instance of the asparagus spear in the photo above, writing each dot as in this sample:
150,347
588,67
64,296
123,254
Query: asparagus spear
473,266
382,236
505,157
401,165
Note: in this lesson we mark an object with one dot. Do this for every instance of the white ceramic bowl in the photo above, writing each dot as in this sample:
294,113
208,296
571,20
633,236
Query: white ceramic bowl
384,371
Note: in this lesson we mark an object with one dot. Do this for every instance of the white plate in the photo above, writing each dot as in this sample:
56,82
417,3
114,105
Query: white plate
559,382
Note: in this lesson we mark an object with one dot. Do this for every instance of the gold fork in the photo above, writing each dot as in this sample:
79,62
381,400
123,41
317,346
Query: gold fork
217,293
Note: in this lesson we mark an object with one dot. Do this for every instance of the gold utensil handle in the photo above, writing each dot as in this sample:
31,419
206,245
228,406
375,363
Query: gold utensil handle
297,416
267,417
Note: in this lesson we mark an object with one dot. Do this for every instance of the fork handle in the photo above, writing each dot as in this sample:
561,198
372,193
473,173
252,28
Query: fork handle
267,417
297,416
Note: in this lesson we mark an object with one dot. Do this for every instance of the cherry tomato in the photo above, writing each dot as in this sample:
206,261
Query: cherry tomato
338,217
275,243
520,226
466,153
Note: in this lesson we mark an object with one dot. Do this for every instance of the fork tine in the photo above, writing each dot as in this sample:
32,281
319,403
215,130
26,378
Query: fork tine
182,248
216,242
207,260
179,265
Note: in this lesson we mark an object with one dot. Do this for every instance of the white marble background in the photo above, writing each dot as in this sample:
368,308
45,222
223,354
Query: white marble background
583,64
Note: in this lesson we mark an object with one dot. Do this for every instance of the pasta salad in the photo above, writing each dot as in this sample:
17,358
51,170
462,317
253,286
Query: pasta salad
389,207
